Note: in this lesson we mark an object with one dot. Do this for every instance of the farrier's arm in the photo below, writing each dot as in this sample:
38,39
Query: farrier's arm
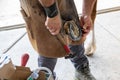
46,3
86,20
88,7
53,20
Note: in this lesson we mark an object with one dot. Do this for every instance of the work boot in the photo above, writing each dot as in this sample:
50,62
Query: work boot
84,73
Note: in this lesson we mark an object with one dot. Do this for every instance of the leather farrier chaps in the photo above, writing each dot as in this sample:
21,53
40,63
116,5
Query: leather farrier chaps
41,39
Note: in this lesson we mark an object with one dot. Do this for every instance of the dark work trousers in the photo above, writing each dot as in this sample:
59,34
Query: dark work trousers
78,60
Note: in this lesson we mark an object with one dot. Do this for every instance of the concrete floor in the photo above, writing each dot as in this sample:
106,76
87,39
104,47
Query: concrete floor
104,63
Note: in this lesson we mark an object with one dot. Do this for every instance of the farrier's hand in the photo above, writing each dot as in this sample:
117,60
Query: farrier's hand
86,24
53,24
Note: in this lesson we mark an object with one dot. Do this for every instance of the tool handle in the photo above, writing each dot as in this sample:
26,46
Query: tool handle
59,36
24,59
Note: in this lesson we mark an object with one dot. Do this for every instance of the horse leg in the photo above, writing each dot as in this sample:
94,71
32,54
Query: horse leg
91,45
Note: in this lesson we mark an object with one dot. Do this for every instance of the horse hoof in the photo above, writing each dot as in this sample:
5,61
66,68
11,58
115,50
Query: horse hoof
90,50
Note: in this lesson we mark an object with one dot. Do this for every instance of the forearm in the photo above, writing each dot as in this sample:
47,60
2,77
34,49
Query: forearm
53,20
46,3
87,7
